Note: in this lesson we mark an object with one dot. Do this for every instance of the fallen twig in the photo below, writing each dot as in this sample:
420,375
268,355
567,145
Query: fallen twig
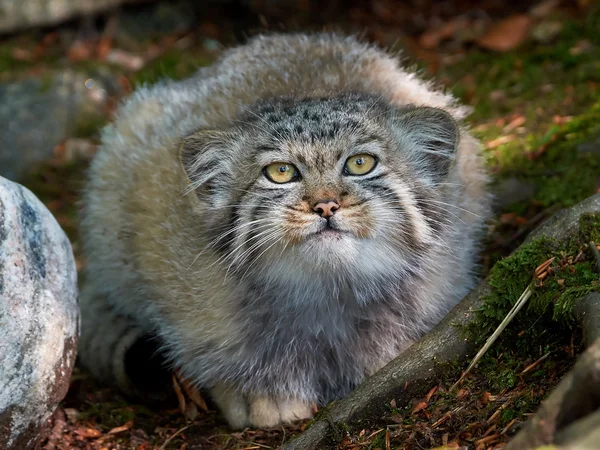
535,364
170,438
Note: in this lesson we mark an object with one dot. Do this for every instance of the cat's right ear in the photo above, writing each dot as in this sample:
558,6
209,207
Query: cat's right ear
201,155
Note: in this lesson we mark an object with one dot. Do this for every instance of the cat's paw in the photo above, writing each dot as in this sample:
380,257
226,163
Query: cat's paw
266,412
233,405
258,411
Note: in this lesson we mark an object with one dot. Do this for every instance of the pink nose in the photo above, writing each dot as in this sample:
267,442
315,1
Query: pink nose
326,208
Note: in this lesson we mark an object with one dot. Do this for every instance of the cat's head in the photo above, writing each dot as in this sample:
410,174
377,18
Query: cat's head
345,185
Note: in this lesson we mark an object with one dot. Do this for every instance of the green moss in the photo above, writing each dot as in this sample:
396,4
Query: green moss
9,64
589,225
89,126
110,414
173,64
507,415
377,442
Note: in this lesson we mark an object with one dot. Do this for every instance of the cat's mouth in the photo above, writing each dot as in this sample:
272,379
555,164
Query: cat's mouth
329,231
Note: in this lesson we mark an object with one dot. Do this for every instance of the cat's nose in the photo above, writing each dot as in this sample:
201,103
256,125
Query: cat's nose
326,208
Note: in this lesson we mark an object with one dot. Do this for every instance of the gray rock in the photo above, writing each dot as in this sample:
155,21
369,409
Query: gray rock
39,316
38,113
22,14
15,15
512,190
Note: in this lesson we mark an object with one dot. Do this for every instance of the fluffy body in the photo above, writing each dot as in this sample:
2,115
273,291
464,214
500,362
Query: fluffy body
253,295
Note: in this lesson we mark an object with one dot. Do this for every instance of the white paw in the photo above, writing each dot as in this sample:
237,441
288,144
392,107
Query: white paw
232,404
258,411
266,412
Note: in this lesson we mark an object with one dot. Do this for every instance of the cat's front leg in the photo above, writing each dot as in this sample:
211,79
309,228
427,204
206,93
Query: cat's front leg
258,411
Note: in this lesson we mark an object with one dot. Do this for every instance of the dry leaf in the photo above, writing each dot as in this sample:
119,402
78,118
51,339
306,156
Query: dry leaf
179,394
127,60
431,392
500,141
22,54
419,407
122,428
462,393
194,395
486,398
514,124
432,38
507,34
79,51
89,433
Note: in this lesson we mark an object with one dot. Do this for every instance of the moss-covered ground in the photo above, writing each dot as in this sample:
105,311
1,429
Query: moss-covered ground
536,109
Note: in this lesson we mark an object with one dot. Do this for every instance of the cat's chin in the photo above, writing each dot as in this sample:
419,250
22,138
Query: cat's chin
334,246
328,235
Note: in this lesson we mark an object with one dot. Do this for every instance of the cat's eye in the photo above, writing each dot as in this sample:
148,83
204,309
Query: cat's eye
281,172
360,164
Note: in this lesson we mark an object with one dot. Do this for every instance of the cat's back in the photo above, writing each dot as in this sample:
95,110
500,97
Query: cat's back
296,65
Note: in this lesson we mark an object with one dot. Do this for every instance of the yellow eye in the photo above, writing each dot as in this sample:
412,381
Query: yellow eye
281,172
360,164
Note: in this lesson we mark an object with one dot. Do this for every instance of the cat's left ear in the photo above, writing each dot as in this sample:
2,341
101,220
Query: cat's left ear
429,137
201,154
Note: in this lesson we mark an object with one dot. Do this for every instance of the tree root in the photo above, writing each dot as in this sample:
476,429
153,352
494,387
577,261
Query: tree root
411,373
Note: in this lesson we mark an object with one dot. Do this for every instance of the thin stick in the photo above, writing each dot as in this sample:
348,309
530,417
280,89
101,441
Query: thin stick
535,364
509,317
181,430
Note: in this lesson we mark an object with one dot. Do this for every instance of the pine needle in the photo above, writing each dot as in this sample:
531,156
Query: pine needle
168,441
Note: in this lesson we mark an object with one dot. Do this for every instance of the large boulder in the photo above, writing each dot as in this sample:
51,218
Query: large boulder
39,316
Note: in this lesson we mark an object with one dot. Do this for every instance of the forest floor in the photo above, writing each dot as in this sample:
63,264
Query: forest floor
531,73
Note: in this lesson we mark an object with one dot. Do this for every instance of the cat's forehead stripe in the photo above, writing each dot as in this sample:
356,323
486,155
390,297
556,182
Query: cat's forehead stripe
314,119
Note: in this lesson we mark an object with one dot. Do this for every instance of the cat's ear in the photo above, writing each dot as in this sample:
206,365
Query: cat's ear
429,137
201,154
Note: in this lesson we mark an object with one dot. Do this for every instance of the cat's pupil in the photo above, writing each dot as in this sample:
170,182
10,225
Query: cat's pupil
282,169
359,162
